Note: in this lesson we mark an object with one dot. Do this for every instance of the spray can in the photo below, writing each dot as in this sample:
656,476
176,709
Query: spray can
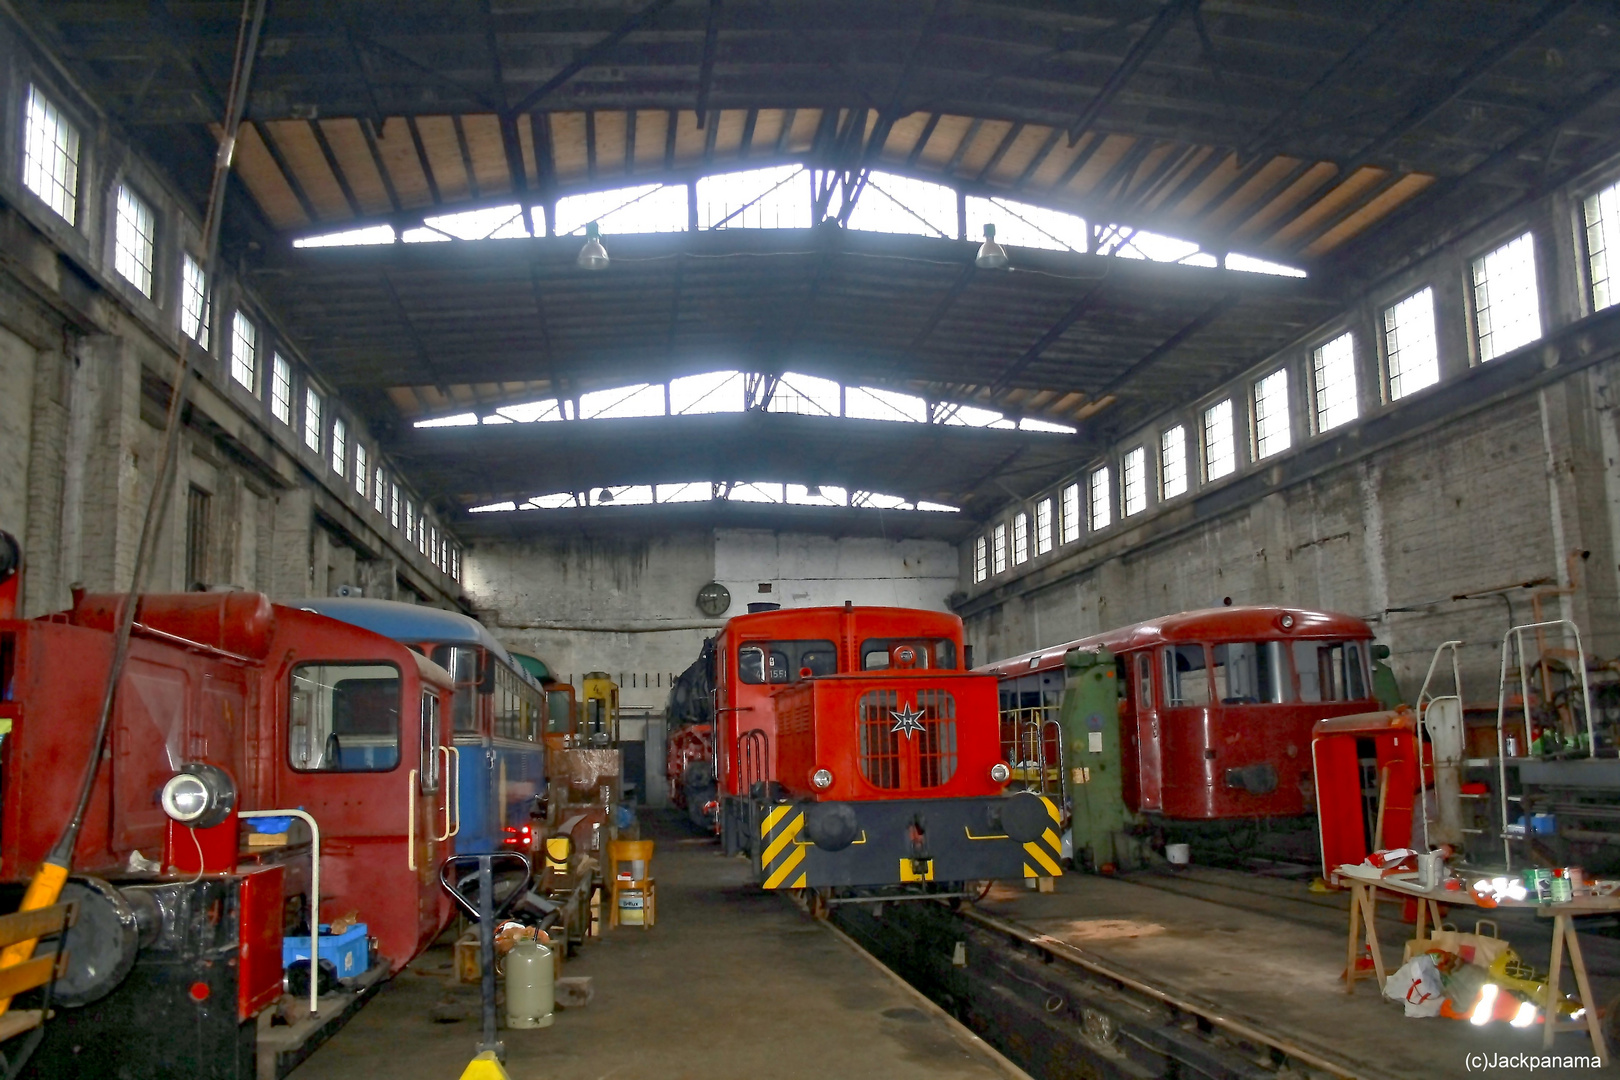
530,991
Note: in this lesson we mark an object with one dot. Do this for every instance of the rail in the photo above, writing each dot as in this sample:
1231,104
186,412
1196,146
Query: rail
314,894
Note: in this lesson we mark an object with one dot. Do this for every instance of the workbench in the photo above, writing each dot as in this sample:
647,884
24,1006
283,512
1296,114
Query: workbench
1364,888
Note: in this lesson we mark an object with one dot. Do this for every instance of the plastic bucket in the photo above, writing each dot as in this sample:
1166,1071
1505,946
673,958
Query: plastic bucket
1178,854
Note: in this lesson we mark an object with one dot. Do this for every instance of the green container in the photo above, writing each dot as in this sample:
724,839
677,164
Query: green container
1561,890
1538,883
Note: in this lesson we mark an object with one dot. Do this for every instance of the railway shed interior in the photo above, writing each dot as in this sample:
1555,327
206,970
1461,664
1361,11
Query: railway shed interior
604,321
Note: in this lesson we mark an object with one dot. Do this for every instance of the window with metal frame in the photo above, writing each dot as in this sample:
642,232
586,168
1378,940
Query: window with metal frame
134,240
340,446
907,745
1273,428
432,736
281,394
1602,212
1173,462
998,548
1102,507
343,716
362,468
195,307
1020,538
1043,526
1507,305
1220,444
245,352
1333,367
1133,482
1410,348
981,559
1186,676
761,662
314,417
51,156
1072,520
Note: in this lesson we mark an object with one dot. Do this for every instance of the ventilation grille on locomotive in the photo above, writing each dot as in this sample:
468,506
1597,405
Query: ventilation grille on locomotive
896,759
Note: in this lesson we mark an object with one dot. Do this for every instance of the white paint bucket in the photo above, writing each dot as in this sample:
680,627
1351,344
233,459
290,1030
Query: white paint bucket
1178,854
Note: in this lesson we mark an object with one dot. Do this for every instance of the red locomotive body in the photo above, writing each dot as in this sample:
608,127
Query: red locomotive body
1217,705
249,706
853,749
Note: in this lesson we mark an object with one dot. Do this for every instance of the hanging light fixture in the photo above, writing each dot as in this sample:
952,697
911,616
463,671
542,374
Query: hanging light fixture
813,491
604,496
992,256
593,256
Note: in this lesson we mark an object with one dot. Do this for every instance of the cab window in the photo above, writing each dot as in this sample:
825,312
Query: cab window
1249,672
1186,678
1331,670
559,712
877,653
760,662
343,717
431,736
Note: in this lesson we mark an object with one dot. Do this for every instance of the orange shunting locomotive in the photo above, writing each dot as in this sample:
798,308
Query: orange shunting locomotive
851,747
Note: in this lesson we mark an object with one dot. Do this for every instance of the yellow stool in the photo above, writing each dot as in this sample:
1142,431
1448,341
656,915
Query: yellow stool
630,864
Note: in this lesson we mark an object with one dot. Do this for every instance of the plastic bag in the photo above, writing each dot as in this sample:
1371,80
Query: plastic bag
1416,984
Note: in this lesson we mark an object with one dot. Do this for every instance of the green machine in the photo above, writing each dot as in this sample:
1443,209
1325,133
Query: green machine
1093,762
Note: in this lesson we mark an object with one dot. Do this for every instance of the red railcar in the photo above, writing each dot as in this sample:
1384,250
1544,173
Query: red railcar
1216,706
230,703
853,748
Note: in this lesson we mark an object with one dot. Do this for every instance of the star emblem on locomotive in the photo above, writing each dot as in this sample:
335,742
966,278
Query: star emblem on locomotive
906,721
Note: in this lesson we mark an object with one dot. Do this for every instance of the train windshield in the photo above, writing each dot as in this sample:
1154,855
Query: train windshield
1186,678
1250,673
879,653
343,717
1331,670
759,662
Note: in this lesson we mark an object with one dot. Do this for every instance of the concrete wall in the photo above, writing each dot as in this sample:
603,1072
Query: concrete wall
1445,514
589,601
86,362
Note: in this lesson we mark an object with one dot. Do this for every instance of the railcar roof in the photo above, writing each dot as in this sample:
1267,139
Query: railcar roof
755,622
408,622
1261,621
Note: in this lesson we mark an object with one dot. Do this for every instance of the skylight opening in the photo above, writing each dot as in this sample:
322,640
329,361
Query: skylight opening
821,495
711,392
490,223
1030,424
1128,243
557,500
1251,265
530,412
776,198
371,234
639,399
701,491
493,508
870,403
466,419
899,204
806,395
744,491
424,235
969,416
757,493
646,208
1023,225
634,495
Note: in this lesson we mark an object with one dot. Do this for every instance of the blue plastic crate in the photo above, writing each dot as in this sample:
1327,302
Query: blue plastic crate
348,951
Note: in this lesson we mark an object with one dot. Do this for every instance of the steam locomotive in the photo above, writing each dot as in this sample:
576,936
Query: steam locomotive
850,748
228,705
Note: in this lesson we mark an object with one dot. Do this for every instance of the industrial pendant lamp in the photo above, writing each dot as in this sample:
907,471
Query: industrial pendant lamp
992,256
593,256
603,496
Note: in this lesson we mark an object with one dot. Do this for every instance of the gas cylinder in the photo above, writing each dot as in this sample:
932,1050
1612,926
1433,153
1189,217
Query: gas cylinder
530,993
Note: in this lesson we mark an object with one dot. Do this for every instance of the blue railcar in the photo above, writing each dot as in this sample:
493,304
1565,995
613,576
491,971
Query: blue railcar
499,712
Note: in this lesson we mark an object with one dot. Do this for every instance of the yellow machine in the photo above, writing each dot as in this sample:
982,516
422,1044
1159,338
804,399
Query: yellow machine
601,726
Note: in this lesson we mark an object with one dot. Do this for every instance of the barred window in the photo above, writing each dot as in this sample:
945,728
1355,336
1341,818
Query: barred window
1603,246
998,545
1220,447
1102,507
379,491
1133,483
1020,550
1043,526
361,471
340,446
1409,343
134,240
245,352
1071,513
1507,307
981,559
1173,462
314,416
281,389
393,505
1334,365
195,307
1272,430
410,521
51,156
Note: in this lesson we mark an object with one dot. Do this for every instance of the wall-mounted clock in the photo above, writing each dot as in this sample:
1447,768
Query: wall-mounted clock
713,599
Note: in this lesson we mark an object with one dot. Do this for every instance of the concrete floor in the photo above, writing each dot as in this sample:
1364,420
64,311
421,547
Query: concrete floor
732,983
1270,952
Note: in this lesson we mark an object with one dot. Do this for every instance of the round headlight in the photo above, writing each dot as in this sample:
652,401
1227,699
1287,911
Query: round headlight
821,779
200,796
999,772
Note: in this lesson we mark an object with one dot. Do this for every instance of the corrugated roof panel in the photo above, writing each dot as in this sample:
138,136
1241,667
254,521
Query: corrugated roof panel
1336,199
610,130
303,156
1216,182
652,126
1315,178
1242,202
444,156
1405,188
488,151
1113,148
348,145
399,157
984,144
265,182
568,145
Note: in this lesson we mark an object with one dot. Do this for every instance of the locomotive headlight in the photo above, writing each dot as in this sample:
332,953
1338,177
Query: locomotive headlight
200,796
821,779
1000,773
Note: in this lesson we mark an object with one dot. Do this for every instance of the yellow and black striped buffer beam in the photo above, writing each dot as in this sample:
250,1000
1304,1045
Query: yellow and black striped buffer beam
781,861
1043,856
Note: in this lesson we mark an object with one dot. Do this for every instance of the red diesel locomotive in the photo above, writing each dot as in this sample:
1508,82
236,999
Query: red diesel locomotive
851,747
227,704
1216,707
